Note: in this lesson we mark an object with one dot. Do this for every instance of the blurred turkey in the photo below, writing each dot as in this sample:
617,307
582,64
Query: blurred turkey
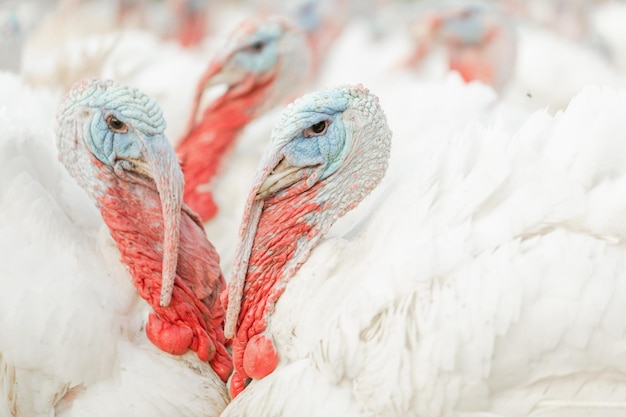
478,40
264,62
322,21
187,20
484,276
191,21
112,311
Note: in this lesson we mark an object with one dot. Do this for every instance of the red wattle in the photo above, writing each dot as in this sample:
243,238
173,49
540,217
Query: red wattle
169,337
237,385
282,227
260,357
472,67
194,318
202,203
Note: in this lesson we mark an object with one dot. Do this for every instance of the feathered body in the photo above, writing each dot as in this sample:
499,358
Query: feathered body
83,333
485,277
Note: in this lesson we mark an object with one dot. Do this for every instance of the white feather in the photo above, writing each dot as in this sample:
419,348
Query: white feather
71,323
484,278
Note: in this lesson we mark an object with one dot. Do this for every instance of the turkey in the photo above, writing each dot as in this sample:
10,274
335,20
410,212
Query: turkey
265,62
186,19
322,21
112,315
485,277
11,39
479,41
191,19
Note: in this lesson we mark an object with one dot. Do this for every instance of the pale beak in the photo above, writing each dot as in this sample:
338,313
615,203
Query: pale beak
216,75
275,175
164,169
247,231
281,177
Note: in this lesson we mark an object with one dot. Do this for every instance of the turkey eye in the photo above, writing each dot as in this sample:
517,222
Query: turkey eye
116,126
318,129
256,47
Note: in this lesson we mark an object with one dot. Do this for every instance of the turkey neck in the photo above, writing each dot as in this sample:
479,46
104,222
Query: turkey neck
285,235
131,208
288,229
291,206
207,144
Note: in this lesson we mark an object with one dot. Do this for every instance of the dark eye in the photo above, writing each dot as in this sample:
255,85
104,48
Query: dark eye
256,47
116,126
318,129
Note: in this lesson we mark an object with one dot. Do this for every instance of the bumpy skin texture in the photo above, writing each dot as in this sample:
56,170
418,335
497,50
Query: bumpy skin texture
209,142
264,61
329,150
111,140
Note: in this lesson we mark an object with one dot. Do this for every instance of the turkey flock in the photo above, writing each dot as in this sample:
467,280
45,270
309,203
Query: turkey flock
352,208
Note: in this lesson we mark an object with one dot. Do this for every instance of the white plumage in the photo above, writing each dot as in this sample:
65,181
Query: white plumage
485,277
72,337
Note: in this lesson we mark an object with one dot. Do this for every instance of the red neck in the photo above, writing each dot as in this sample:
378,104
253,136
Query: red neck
204,148
194,319
285,229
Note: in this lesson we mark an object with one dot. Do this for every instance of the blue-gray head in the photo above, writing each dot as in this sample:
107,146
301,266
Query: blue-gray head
109,134
328,151
266,55
339,132
469,24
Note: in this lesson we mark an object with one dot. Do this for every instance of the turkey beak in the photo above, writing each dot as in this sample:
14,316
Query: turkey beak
164,168
217,75
247,231
275,174
280,175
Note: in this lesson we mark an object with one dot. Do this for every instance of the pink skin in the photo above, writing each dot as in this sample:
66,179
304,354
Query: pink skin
251,90
259,357
431,26
290,208
209,141
193,318
472,62
172,264
278,223
489,61
191,22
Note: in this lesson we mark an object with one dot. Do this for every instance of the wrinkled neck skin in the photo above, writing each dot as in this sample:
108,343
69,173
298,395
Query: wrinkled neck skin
203,150
288,230
131,208
290,225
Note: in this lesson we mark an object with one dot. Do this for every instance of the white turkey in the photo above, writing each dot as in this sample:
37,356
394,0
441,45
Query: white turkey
100,316
479,41
263,63
485,277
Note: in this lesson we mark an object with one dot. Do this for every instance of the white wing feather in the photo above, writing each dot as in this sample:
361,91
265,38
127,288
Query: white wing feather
486,277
